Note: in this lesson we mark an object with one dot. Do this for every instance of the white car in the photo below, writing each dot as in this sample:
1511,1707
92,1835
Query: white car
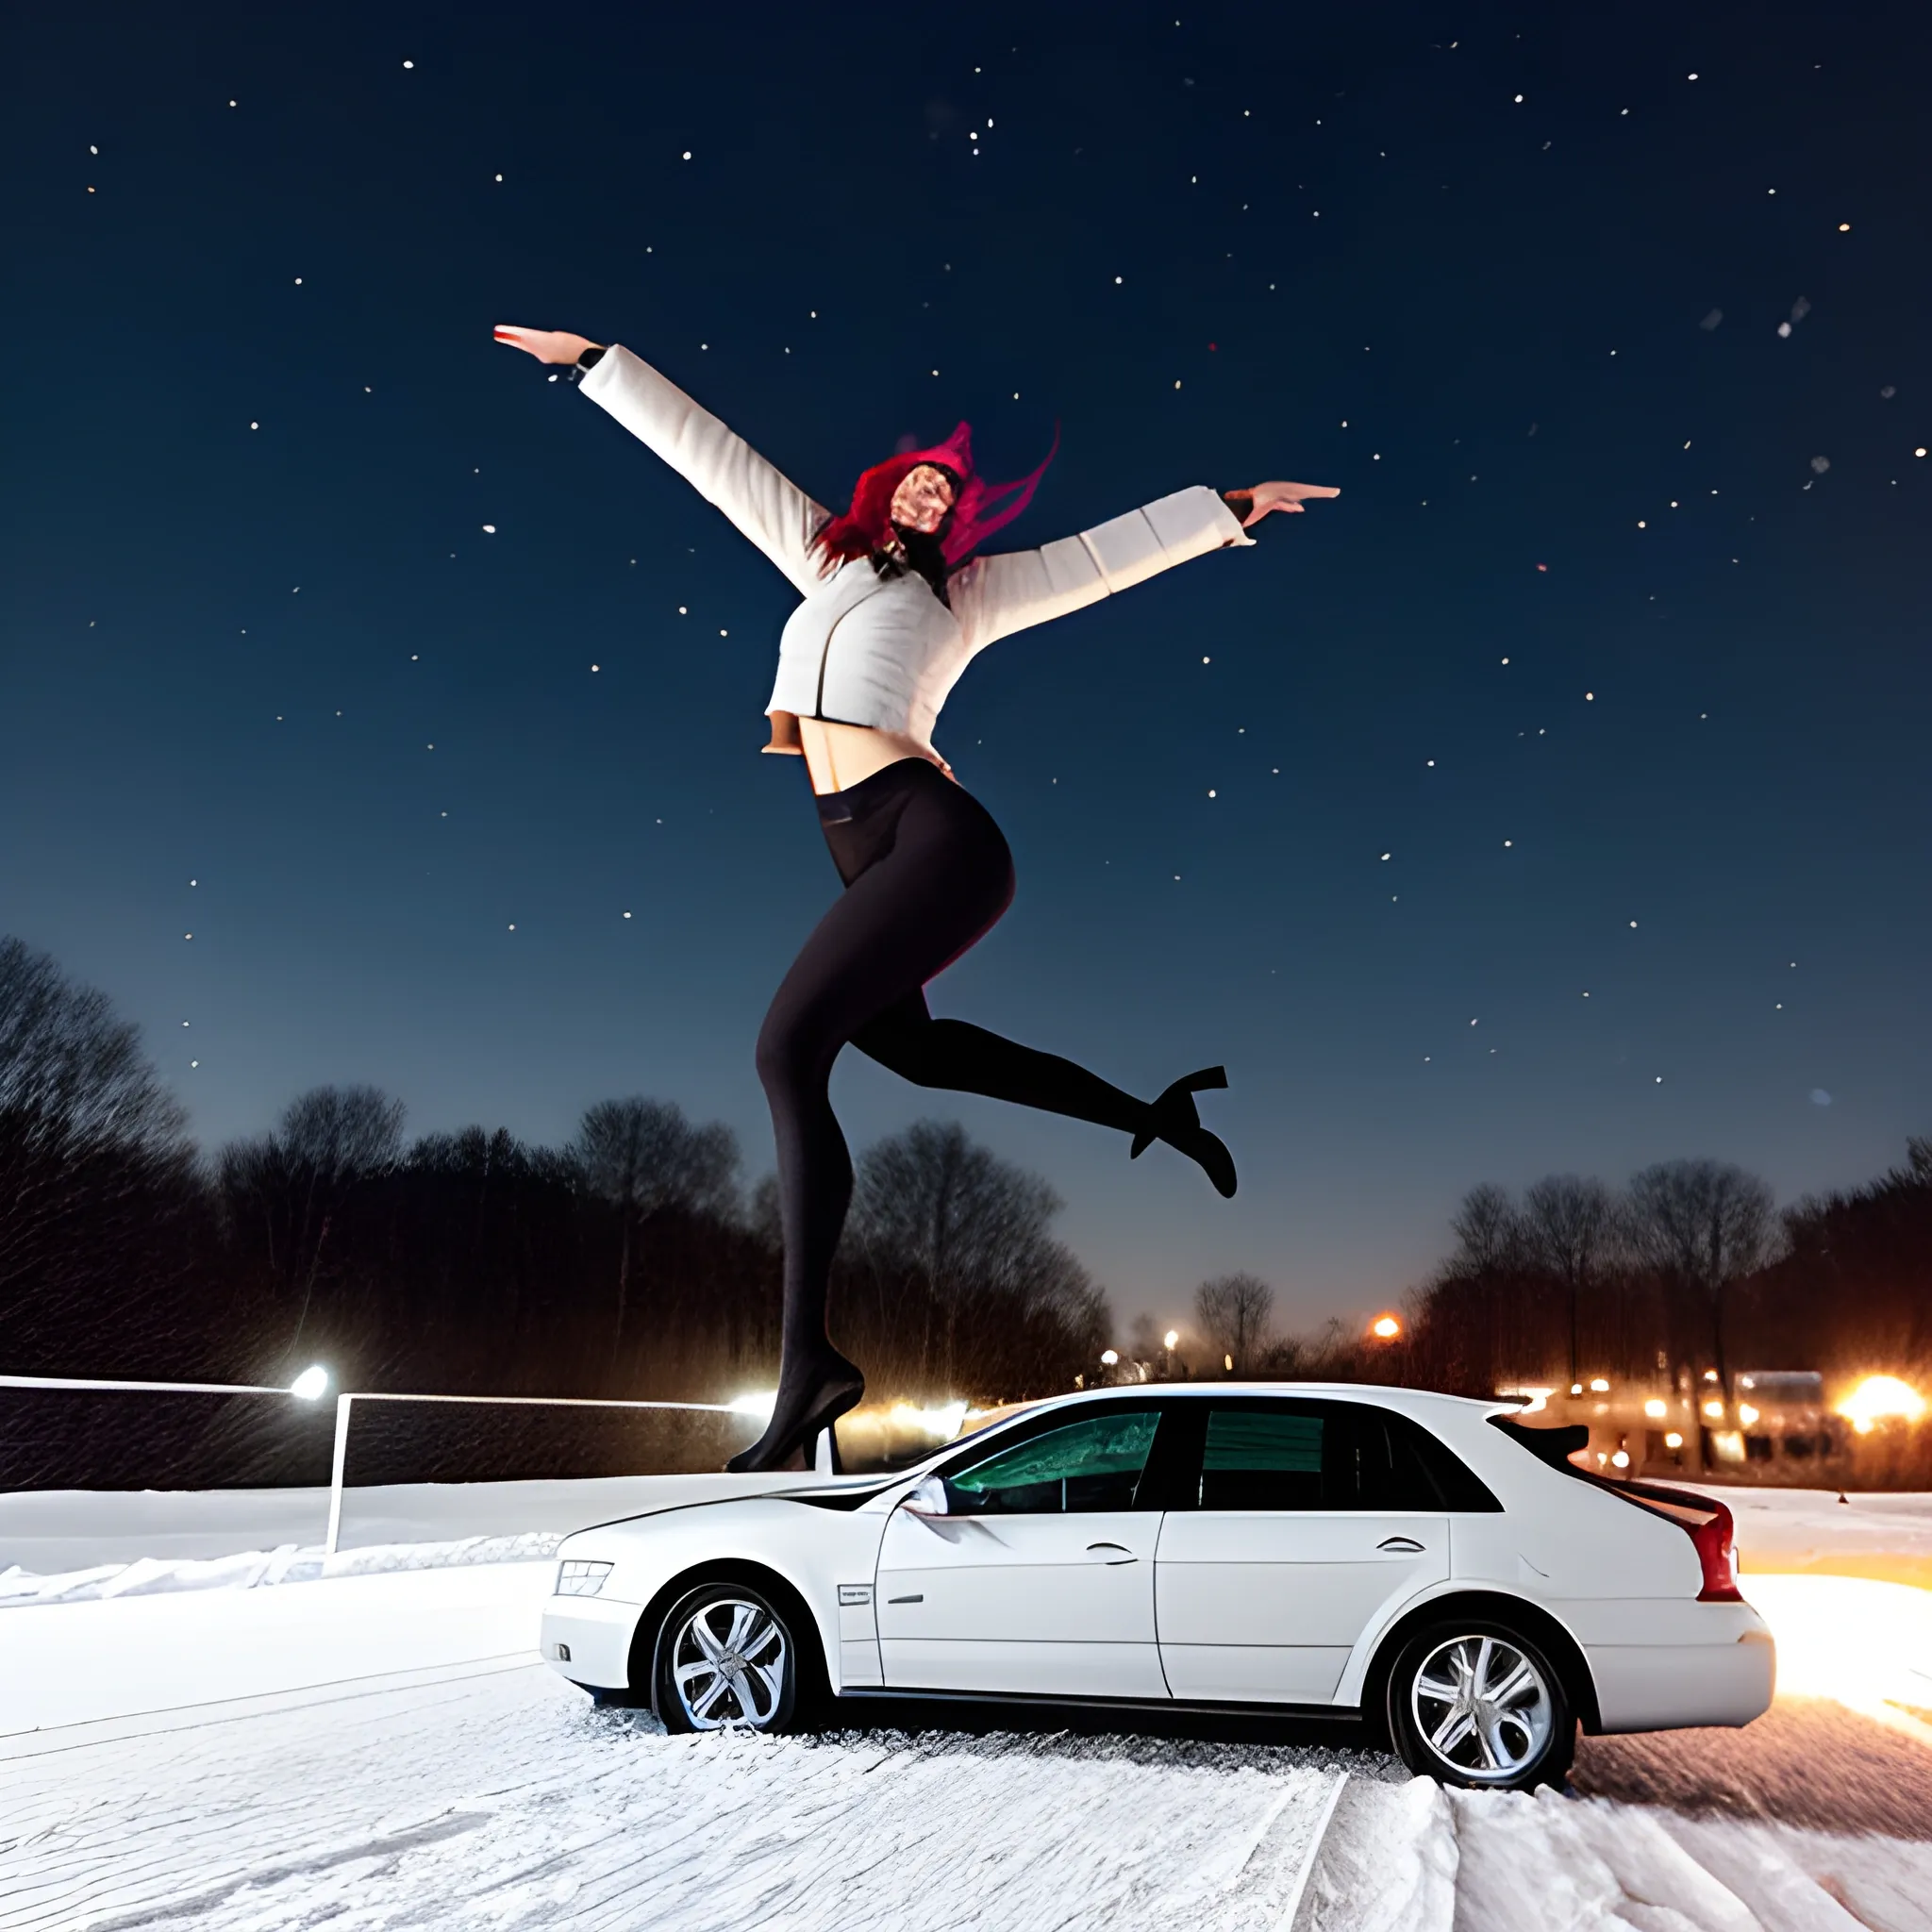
1430,1563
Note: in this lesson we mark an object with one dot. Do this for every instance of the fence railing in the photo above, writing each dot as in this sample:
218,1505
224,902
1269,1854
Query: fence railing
345,1408
345,1403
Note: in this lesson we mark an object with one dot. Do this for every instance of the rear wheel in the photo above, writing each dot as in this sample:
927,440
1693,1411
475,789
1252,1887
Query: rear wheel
729,1657
1478,1703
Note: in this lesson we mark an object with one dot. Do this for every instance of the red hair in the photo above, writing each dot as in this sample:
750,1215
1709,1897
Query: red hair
977,510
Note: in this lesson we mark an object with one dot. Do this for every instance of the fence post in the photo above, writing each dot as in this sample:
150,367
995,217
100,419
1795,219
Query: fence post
335,1477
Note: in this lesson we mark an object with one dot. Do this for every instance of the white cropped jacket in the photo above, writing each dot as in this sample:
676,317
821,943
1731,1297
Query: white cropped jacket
883,651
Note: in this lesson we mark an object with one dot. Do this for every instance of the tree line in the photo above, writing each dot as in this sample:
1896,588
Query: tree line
635,1260
1690,1265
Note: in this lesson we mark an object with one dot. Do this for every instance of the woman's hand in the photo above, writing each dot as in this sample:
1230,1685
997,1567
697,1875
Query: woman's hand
1283,496
546,345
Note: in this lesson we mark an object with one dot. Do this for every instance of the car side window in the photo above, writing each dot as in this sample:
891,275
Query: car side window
1268,1457
1389,1472
1086,1466
1400,1465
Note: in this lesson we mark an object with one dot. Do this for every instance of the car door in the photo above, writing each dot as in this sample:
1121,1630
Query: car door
1029,1568
1303,1523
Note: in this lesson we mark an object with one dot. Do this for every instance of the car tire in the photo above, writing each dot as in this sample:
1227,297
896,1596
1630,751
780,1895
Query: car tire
730,1656
1478,1703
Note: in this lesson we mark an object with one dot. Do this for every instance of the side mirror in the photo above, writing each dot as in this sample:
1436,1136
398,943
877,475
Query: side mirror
928,1499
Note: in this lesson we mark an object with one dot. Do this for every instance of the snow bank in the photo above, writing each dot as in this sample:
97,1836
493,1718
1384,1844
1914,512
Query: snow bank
254,1568
71,1534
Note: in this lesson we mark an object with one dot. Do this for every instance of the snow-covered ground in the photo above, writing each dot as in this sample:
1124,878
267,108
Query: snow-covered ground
46,1532
1886,1537
488,1793
228,1741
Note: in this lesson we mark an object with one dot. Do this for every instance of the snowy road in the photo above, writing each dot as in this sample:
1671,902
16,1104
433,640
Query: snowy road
500,1796
385,1790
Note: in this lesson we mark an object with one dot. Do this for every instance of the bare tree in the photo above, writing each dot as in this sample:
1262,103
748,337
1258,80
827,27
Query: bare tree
1234,1311
1488,1230
71,1074
342,1133
1569,1229
943,1228
294,1182
97,1179
644,1156
1704,1224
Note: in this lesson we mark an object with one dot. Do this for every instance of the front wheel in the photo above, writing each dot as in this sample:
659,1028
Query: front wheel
1478,1704
728,1658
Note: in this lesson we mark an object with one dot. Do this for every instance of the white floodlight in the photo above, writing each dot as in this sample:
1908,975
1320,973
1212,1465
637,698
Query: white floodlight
311,1383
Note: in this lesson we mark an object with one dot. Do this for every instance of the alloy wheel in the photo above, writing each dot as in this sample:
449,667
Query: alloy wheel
728,1661
1481,1705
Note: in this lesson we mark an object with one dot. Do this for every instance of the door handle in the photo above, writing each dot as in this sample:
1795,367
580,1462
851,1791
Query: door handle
1113,1553
1403,1545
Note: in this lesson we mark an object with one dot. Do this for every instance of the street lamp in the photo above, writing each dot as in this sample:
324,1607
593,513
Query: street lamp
1171,1341
1108,1357
1385,1327
310,1383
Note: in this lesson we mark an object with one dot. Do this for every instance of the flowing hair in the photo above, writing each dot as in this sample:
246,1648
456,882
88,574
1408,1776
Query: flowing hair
978,508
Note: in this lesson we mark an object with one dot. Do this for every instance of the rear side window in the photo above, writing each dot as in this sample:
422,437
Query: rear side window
1266,1455
1265,1459
1401,1465
1085,1467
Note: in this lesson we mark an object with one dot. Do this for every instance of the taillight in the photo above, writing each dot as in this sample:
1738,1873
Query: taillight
1715,1552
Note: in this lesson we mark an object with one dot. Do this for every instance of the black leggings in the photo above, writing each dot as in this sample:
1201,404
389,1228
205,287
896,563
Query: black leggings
926,872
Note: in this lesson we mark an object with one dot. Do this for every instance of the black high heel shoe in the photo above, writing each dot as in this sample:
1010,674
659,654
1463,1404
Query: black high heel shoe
1172,1118
831,1390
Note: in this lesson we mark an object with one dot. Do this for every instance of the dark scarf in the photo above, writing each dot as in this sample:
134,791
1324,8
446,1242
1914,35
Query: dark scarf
918,551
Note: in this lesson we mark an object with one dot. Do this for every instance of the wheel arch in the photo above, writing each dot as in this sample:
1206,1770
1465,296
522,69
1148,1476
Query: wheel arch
649,1635
1497,1606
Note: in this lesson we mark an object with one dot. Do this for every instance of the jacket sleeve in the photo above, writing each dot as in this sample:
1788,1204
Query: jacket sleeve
993,596
722,468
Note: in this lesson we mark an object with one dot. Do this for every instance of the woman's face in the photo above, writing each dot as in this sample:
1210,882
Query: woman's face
922,500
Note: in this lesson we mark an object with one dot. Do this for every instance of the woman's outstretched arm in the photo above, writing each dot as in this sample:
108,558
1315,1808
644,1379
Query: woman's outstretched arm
995,597
725,470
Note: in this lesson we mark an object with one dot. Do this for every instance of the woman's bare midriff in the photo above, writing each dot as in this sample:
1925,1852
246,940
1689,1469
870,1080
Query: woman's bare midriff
841,756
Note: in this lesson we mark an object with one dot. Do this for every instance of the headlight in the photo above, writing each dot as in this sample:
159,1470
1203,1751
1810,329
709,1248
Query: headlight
581,1579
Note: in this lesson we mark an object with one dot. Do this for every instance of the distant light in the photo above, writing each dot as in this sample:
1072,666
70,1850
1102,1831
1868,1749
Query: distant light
1621,1459
1654,1408
311,1383
1385,1327
1878,1397
1599,1386
1715,1411
943,1421
1108,1357
761,1404
1673,1441
1746,1414
1576,1388
1227,1363
1710,1375
1171,1337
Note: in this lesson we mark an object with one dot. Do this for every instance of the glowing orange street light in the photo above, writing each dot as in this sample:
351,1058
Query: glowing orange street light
1385,1327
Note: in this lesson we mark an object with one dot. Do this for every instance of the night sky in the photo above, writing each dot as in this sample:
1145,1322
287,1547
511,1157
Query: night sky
1555,799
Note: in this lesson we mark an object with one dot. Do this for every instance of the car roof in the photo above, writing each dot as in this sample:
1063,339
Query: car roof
1382,1392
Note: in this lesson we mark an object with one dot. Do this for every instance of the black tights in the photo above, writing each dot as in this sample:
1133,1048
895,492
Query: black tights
926,873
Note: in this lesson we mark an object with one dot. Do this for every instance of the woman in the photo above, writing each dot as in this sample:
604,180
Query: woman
896,603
